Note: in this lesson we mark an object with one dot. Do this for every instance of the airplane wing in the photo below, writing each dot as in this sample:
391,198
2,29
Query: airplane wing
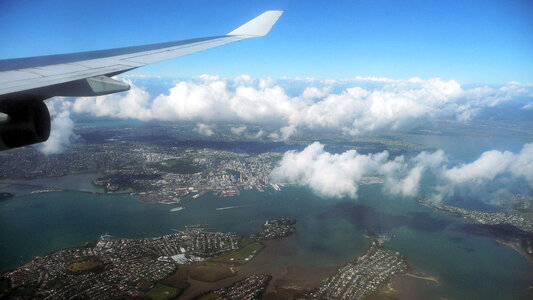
26,82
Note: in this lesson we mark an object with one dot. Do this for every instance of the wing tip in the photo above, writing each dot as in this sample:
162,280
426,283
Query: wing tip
260,25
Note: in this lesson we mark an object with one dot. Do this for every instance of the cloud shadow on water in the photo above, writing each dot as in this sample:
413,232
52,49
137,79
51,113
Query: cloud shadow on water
376,222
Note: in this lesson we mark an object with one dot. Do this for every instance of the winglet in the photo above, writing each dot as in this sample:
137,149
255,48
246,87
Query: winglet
260,25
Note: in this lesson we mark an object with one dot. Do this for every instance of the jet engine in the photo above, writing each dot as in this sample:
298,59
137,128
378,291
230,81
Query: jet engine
23,122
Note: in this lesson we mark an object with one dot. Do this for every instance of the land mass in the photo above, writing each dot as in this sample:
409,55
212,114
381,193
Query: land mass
510,228
149,267
364,276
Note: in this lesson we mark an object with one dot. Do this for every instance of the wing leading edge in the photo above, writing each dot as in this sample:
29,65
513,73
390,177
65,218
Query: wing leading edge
64,74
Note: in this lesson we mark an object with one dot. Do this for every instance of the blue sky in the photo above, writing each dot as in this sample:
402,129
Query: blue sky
488,42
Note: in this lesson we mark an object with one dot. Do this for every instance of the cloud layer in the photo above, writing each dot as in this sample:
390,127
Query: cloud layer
355,107
339,175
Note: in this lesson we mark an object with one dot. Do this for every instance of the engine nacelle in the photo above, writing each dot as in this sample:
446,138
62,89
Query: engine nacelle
28,122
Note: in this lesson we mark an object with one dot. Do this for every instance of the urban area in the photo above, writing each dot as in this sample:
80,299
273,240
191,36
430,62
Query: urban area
512,227
112,267
365,275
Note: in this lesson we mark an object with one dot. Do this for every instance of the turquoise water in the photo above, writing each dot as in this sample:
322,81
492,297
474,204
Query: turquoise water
328,232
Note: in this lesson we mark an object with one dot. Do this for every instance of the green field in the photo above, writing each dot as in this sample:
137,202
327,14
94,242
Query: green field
162,292
205,271
210,271
144,285
84,266
179,166
247,248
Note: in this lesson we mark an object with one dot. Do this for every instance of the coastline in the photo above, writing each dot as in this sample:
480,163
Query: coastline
517,248
288,280
412,285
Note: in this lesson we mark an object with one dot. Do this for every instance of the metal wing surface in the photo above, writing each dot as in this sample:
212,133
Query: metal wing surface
26,82
35,73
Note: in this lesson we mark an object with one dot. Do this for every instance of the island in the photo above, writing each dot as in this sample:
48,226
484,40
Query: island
275,229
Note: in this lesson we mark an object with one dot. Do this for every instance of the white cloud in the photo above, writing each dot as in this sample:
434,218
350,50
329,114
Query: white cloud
315,93
287,131
61,134
274,136
528,106
62,127
354,109
372,79
259,134
403,177
492,164
487,167
238,130
339,175
329,175
132,104
204,129
522,164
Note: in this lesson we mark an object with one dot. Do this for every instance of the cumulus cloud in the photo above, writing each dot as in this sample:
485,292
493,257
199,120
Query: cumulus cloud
329,175
204,129
528,106
355,109
259,134
492,164
339,175
315,93
62,127
238,130
133,104
402,176
61,134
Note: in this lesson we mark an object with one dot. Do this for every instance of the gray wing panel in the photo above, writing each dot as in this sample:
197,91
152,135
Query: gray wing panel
40,61
67,68
37,73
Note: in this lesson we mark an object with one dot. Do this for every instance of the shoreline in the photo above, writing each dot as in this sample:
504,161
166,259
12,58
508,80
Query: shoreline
517,248
288,280
411,285
423,277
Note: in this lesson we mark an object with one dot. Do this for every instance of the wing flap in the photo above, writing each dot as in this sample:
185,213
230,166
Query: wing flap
44,82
